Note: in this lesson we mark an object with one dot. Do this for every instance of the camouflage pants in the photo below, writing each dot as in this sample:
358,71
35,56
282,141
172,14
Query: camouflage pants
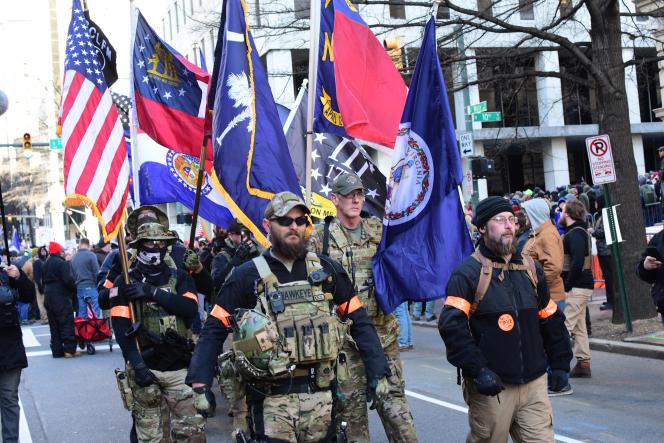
169,402
233,389
294,418
393,410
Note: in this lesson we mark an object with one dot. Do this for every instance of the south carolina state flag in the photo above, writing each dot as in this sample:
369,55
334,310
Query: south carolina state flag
359,92
424,230
167,176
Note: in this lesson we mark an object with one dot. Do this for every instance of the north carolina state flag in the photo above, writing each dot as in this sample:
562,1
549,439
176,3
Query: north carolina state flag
359,92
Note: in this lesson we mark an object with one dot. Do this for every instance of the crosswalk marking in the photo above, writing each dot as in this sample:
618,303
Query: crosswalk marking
23,429
29,339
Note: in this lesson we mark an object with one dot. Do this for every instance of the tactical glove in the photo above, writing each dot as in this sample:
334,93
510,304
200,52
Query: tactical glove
143,376
242,251
558,379
204,402
139,291
376,390
487,382
191,261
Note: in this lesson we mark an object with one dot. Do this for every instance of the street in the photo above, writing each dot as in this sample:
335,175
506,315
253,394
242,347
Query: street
76,400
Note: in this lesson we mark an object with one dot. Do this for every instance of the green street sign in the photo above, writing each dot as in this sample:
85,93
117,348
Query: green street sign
476,109
487,117
55,143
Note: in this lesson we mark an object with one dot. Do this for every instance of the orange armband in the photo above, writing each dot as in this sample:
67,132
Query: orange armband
457,302
222,315
350,306
547,312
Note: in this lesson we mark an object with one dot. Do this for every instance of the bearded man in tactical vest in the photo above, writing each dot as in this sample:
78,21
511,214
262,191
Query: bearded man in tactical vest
287,339
158,346
502,330
352,241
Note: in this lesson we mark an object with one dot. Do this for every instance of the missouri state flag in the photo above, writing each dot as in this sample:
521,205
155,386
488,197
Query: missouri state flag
169,92
251,158
424,230
359,92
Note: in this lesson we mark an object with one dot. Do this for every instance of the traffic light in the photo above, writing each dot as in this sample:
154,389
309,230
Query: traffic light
393,47
27,141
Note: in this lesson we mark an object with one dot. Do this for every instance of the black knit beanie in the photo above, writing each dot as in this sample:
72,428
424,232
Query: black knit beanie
488,208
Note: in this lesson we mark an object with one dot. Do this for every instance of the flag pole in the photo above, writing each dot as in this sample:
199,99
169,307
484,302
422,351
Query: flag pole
199,185
4,227
133,118
124,265
314,25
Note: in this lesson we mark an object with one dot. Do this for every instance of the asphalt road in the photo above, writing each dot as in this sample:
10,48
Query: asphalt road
76,400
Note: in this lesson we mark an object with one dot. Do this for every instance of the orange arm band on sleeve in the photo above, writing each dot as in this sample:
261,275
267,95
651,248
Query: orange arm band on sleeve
192,296
222,315
547,312
108,284
457,302
350,306
121,311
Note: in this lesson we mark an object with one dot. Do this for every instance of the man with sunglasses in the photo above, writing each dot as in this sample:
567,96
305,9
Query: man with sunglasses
352,241
502,330
286,338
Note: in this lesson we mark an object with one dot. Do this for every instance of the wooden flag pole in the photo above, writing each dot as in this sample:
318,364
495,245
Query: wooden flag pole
124,265
199,185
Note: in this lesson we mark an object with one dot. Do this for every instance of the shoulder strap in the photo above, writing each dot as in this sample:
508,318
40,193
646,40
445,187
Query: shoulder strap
530,268
326,235
484,280
265,274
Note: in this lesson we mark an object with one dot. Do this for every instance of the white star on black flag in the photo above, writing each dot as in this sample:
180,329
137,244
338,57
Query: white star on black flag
123,106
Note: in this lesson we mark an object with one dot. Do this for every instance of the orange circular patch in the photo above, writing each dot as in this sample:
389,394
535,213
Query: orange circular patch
506,322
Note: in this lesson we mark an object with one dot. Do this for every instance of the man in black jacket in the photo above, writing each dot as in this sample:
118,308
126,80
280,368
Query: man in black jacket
578,281
14,286
237,248
503,331
59,290
651,270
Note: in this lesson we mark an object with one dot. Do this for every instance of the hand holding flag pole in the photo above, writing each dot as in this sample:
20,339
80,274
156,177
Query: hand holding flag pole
122,248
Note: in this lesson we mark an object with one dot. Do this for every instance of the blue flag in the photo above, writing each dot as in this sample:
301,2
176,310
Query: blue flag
251,158
424,229
16,241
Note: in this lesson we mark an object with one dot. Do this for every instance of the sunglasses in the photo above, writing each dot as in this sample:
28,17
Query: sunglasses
287,221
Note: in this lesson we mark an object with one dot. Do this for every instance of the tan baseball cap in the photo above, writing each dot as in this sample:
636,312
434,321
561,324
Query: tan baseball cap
346,183
282,203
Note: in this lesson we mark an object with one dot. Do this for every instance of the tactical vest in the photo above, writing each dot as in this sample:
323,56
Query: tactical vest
293,325
156,320
587,261
356,260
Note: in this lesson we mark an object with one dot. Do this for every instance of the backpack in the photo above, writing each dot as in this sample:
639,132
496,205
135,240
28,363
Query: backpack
487,270
648,194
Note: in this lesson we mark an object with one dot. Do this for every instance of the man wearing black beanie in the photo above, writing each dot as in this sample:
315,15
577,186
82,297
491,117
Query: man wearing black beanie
502,330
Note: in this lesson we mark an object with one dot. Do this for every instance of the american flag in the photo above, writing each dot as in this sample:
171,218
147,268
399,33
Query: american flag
96,168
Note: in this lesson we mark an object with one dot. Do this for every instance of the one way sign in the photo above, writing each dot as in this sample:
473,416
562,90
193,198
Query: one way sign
466,145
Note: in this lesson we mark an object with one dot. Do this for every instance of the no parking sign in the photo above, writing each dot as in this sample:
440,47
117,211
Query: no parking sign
602,168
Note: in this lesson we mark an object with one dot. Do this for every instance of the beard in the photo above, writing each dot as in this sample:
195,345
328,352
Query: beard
499,247
291,251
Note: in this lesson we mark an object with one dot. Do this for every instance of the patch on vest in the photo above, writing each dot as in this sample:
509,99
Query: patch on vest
298,294
506,322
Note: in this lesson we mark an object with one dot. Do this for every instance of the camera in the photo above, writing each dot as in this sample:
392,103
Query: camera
276,302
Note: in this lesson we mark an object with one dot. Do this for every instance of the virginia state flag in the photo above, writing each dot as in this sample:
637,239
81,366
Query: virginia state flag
251,158
424,230
169,92
167,176
359,92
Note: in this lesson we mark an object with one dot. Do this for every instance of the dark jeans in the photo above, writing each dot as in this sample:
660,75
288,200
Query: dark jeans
9,409
606,264
61,324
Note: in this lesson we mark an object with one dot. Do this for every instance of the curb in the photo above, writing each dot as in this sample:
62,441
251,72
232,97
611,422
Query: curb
598,344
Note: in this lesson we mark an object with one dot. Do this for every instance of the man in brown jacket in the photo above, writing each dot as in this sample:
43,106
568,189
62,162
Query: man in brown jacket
546,246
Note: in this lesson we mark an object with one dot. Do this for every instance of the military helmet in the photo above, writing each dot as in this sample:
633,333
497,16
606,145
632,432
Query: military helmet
139,216
152,231
256,335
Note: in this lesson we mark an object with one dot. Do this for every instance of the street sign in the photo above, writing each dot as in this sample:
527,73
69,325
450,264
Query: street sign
476,109
467,185
602,168
466,145
487,117
55,143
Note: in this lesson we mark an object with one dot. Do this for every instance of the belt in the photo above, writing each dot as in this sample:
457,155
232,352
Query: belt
296,385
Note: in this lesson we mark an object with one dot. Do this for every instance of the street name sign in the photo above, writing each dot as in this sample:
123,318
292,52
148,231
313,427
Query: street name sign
602,168
55,143
477,108
466,145
487,117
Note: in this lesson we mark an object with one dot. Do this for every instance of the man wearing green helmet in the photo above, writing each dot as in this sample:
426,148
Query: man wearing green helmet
158,345
287,341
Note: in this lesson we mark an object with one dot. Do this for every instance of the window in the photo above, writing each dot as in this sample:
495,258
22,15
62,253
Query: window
443,13
177,18
301,8
526,9
484,6
397,11
170,26
184,14
300,67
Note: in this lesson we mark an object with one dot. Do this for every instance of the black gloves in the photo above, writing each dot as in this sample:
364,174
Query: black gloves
204,402
241,253
487,382
558,379
143,376
139,291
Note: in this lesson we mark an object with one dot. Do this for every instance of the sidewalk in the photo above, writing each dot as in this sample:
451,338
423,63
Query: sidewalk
650,345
